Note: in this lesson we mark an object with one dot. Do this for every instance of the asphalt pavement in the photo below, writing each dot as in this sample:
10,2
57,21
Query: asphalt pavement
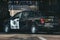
29,37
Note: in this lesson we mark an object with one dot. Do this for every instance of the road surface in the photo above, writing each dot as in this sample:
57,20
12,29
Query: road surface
29,37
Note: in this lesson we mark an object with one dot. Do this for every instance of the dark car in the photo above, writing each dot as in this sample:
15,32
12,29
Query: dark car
31,21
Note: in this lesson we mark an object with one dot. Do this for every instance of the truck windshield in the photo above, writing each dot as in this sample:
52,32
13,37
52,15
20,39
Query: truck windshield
31,14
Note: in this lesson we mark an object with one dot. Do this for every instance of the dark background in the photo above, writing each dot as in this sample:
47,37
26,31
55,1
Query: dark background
46,7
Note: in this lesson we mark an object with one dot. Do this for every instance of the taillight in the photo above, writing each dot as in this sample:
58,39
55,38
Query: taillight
42,20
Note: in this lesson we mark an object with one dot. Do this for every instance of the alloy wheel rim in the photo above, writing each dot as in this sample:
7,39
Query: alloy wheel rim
33,29
6,29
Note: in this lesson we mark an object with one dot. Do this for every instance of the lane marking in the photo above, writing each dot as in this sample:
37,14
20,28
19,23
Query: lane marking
42,38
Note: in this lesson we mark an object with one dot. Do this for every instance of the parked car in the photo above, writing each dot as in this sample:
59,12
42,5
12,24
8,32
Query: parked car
31,21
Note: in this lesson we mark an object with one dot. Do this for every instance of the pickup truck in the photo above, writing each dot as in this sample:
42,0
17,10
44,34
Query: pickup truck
31,21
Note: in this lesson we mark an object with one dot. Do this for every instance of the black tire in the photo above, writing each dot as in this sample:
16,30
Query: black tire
6,29
33,29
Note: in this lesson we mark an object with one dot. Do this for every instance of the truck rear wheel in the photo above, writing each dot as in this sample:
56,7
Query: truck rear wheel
6,29
33,29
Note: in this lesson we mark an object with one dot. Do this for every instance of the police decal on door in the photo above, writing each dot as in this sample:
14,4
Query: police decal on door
14,24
